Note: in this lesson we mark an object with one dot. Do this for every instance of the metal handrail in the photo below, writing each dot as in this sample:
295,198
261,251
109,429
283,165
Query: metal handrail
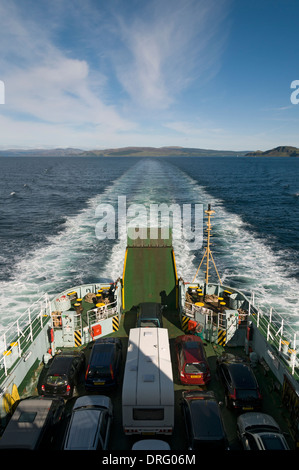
19,335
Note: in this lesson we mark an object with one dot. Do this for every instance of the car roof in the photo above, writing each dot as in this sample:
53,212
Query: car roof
149,309
255,420
24,428
83,429
193,348
84,425
242,375
101,353
60,364
206,418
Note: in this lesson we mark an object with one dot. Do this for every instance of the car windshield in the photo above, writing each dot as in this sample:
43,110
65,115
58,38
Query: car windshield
57,379
195,368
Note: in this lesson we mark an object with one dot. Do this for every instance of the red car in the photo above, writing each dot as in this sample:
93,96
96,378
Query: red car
193,366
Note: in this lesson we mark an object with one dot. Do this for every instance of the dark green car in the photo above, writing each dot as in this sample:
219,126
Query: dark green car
149,314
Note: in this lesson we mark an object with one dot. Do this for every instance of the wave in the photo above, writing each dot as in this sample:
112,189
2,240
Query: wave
74,256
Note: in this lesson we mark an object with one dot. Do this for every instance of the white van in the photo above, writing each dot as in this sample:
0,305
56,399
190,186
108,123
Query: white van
148,392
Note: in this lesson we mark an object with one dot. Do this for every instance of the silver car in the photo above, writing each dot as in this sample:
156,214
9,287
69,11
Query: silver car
259,431
90,424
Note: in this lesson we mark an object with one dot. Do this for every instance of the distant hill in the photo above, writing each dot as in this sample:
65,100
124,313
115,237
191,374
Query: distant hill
160,152
284,151
56,152
121,152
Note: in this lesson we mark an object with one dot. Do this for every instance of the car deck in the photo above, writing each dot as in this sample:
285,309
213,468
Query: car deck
270,389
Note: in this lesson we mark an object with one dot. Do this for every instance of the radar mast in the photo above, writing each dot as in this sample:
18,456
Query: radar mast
208,254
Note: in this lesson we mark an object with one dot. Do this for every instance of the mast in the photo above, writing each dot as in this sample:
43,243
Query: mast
208,254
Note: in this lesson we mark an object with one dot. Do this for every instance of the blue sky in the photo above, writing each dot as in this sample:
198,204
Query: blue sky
192,73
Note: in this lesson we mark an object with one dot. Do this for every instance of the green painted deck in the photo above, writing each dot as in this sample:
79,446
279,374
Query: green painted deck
149,273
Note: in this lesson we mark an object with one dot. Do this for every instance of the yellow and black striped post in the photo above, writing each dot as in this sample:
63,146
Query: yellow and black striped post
78,338
184,322
115,323
221,337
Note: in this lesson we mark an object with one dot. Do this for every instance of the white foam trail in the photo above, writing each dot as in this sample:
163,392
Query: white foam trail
59,264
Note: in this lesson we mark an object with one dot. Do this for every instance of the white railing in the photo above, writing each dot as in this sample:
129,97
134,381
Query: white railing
278,332
95,315
18,336
191,308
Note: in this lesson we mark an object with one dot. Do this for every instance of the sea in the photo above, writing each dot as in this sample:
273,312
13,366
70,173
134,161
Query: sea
53,212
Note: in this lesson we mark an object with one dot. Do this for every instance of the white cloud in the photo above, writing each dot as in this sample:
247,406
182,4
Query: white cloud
59,92
167,47
87,75
42,83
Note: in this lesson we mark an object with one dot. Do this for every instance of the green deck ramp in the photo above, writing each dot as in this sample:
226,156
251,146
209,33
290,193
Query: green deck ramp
149,272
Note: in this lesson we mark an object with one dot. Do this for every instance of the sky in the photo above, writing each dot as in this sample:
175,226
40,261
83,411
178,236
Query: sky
90,74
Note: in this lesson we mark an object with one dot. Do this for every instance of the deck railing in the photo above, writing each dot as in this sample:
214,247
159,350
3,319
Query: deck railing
279,333
101,313
16,339
276,329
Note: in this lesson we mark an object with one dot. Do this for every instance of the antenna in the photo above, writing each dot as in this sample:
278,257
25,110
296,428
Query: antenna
208,253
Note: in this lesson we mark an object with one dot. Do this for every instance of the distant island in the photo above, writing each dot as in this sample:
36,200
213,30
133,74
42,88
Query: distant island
284,151
122,152
161,152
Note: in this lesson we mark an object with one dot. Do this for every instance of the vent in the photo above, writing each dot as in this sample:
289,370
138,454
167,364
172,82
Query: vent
148,332
148,378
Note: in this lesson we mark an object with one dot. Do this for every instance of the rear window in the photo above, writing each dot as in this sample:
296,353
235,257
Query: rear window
146,323
99,371
272,442
195,368
56,379
247,394
102,354
148,414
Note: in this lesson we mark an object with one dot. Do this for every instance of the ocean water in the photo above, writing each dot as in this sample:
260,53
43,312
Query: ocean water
49,212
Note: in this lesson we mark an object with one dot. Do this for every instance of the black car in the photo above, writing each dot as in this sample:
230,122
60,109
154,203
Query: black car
241,387
203,421
104,364
63,374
